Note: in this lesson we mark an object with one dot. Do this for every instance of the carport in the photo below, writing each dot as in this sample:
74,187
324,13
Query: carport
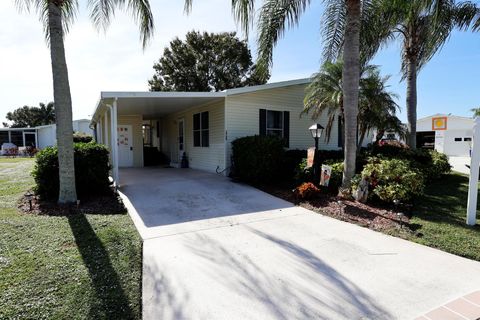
118,120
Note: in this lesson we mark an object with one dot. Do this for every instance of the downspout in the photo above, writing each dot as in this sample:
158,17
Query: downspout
113,141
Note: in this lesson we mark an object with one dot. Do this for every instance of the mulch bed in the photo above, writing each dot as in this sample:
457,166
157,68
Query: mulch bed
373,216
109,203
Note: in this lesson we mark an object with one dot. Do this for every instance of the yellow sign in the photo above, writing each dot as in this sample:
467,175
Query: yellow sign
439,123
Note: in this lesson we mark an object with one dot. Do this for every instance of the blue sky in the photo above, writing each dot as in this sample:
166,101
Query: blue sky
115,61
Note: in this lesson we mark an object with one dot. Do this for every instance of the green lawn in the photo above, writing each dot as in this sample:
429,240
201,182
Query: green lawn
77,267
440,218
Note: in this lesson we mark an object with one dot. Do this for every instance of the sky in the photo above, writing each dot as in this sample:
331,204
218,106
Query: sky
115,61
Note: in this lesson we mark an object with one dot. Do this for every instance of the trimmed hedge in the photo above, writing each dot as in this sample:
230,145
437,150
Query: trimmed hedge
80,137
257,159
91,171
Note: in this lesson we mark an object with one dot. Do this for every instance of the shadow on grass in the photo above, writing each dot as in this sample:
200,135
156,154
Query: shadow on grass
445,201
110,301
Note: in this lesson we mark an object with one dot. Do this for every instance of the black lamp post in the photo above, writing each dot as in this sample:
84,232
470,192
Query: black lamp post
316,130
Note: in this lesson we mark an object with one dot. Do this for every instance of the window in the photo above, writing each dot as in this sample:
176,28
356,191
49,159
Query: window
201,132
458,139
275,123
147,135
467,139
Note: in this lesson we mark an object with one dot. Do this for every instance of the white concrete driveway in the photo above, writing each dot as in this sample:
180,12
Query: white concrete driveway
220,250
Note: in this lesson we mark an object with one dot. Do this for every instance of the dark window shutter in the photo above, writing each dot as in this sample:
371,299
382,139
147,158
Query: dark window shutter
263,122
286,128
158,129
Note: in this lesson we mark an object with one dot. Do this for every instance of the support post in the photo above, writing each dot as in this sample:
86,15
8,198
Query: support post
105,125
115,142
474,169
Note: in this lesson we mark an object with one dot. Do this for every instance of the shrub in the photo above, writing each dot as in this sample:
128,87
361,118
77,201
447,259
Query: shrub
257,159
306,191
303,173
81,137
291,162
91,170
430,163
392,179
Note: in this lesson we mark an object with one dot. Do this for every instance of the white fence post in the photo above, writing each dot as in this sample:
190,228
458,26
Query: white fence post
474,168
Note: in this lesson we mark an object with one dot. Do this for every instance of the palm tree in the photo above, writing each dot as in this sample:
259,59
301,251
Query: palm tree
377,106
57,16
476,112
424,27
276,16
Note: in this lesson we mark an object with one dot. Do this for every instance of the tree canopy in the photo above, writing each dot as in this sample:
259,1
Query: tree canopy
27,116
205,62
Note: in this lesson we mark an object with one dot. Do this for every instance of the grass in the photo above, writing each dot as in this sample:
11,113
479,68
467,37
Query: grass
439,217
76,267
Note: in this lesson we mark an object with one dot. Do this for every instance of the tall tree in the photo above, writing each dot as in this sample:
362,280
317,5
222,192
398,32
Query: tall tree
32,116
377,106
205,62
423,26
57,16
276,16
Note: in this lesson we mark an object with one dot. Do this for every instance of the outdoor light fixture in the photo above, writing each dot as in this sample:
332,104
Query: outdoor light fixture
29,197
316,130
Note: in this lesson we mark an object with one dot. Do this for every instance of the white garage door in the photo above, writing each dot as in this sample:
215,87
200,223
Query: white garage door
458,143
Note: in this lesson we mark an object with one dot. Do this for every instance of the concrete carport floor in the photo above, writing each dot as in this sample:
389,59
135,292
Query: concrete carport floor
215,249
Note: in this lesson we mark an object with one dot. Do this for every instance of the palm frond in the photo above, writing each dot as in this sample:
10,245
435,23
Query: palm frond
244,13
276,16
69,10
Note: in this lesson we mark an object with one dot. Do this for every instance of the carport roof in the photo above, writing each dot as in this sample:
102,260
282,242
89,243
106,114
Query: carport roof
157,104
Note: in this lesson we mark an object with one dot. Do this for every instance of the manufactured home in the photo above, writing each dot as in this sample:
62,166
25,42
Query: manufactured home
202,125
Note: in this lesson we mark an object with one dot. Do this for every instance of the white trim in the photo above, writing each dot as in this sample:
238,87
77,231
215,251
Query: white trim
159,94
267,86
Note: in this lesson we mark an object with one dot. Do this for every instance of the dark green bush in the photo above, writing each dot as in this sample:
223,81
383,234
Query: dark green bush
257,159
392,179
80,137
302,173
91,171
430,163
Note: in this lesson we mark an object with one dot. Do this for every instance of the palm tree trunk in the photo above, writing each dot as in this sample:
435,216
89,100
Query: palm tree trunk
412,101
351,79
63,106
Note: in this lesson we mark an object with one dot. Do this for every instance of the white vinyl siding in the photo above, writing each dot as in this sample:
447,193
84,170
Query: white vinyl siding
242,116
203,158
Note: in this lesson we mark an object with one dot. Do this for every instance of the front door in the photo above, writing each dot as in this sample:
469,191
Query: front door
181,139
125,146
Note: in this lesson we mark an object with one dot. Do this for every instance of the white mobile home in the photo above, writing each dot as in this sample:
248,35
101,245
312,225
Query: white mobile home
203,124
41,136
47,135
448,134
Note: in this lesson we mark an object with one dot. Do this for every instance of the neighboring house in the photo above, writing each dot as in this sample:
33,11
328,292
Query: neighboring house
47,135
203,124
40,137
448,134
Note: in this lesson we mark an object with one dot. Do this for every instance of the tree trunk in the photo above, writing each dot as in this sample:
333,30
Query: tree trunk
412,101
63,106
351,79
